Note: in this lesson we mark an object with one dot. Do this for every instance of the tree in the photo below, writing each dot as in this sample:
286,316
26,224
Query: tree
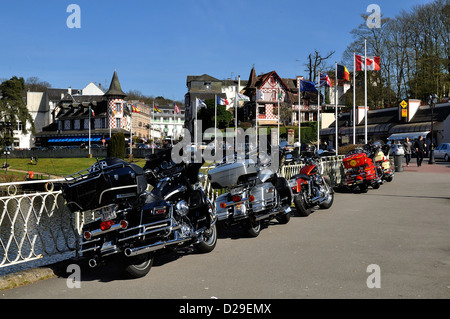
317,62
13,111
206,114
116,146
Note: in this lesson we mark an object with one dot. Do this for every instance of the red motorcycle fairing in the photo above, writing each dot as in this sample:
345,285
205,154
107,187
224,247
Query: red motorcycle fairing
308,169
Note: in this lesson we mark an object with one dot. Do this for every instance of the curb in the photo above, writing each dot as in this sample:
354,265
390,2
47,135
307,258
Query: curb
26,277
31,276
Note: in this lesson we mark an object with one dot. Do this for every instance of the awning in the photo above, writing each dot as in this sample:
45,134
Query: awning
411,135
411,127
372,129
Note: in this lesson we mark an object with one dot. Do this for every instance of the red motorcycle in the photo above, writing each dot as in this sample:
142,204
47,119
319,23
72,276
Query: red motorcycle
310,188
360,171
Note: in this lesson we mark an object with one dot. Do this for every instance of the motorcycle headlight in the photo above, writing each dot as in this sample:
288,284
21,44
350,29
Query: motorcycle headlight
182,208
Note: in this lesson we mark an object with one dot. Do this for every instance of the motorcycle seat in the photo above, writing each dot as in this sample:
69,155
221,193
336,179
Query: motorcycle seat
302,176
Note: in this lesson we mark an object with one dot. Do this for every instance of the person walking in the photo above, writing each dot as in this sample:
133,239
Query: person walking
408,150
420,145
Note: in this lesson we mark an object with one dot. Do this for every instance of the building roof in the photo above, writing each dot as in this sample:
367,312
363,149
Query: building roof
114,88
201,78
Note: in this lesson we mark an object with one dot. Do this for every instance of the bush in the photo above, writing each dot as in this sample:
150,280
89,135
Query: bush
116,146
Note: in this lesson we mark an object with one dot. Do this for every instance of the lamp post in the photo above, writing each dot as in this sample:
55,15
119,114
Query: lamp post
6,155
432,100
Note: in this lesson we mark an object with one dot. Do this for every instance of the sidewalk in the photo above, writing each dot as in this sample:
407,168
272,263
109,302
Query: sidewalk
439,167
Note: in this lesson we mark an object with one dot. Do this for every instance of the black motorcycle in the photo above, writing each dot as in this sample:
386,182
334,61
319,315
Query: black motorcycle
133,223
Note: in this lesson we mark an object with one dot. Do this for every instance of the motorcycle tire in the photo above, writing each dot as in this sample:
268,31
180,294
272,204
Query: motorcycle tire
137,266
327,203
302,208
209,242
284,218
253,229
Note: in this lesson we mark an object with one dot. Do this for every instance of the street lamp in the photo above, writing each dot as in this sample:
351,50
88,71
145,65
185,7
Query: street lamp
432,100
6,155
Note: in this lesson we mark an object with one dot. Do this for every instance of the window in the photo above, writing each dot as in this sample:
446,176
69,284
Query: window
118,123
118,107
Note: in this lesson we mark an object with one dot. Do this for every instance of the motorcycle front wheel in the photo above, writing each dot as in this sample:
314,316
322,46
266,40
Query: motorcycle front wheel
209,242
137,266
300,205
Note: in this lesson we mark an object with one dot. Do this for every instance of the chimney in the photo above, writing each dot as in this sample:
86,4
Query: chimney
69,90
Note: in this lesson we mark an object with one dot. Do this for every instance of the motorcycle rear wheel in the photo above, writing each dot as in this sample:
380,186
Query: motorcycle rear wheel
302,208
253,229
137,266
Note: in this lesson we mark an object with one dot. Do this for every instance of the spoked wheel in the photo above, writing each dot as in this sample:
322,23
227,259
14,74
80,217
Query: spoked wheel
137,266
209,242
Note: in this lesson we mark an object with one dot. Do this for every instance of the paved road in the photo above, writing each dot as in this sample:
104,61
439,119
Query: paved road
402,228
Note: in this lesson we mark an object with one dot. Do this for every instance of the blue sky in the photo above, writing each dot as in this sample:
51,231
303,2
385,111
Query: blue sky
155,45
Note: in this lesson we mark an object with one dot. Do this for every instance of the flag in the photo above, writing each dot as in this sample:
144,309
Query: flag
259,95
325,80
342,73
242,97
280,95
221,101
155,108
112,112
307,86
91,111
373,63
135,109
177,109
199,103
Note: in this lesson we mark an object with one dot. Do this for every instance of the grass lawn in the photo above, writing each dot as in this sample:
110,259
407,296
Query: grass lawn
54,166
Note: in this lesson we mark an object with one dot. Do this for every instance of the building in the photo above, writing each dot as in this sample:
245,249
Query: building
395,123
167,123
77,116
205,87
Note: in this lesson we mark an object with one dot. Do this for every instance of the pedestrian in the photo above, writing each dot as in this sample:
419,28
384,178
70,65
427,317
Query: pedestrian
420,145
408,150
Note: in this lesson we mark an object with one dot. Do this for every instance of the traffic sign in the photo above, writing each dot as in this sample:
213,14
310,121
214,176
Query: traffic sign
404,104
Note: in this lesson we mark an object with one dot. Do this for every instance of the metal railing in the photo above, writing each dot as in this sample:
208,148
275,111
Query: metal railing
36,225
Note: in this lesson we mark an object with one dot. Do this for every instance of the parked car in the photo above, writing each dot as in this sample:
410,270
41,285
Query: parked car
442,152
397,149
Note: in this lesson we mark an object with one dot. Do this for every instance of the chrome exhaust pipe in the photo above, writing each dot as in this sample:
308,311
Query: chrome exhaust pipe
129,252
92,263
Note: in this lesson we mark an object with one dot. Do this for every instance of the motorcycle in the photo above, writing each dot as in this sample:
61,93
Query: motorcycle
132,223
255,194
382,163
360,171
311,188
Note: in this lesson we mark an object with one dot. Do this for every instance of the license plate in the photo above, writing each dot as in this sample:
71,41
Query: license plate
107,213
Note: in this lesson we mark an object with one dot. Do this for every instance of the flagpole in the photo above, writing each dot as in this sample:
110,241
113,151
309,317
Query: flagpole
89,143
278,124
235,111
299,114
365,91
215,121
354,98
318,114
152,130
131,132
336,109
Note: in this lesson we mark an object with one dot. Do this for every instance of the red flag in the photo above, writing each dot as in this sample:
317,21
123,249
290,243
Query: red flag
373,63
177,109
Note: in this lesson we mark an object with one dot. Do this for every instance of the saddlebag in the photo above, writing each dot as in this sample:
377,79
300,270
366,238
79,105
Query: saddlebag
108,181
